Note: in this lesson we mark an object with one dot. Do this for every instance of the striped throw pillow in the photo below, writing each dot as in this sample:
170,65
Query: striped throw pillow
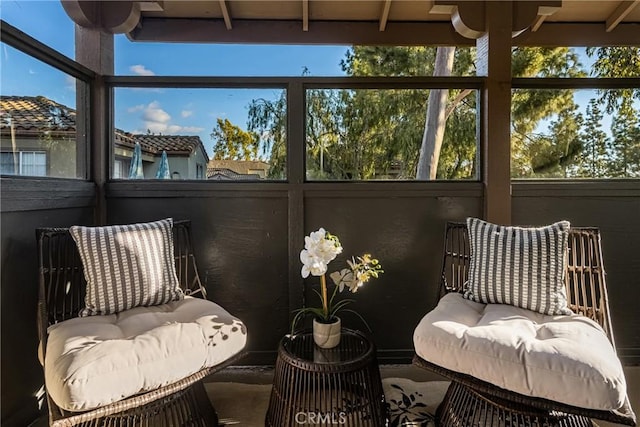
127,266
524,267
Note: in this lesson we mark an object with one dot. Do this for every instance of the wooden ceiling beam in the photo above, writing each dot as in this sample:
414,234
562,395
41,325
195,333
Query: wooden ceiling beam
186,30
621,11
367,33
305,15
225,14
553,34
384,17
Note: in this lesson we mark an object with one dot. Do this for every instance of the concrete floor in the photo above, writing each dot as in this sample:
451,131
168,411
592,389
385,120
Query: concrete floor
264,375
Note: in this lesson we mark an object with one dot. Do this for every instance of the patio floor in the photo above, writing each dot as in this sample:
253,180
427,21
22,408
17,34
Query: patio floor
264,375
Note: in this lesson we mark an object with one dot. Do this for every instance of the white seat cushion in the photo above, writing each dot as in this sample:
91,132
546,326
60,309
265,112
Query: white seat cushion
564,358
97,360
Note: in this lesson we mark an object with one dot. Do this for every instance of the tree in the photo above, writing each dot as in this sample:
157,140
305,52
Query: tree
457,158
617,61
394,120
593,161
436,118
233,143
533,154
625,147
624,151
553,157
372,134
269,119
324,131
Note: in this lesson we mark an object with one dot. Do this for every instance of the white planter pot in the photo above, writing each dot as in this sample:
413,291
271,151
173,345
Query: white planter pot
326,335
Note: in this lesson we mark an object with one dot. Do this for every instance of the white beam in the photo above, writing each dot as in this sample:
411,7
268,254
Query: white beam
385,14
225,14
621,11
543,11
151,6
305,15
537,22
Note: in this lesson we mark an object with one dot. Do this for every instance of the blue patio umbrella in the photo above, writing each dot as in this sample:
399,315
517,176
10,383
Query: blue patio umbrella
163,168
135,171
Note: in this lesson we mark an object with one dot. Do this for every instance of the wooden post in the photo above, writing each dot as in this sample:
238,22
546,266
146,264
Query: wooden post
94,50
296,110
494,62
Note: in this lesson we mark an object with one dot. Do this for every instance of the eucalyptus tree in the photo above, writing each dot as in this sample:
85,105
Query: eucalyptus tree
268,118
435,120
394,121
371,133
458,147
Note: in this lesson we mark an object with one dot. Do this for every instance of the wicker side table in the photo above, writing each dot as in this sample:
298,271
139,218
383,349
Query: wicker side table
320,387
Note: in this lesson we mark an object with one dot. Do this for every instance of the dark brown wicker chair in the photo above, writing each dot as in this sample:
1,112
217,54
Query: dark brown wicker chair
472,402
61,296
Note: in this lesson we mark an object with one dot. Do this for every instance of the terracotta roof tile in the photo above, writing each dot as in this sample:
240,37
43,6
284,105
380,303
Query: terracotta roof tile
224,174
38,113
171,143
33,113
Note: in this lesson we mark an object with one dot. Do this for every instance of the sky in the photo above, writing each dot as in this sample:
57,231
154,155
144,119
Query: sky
166,111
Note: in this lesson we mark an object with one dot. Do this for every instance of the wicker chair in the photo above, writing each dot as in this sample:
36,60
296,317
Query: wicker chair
61,296
472,402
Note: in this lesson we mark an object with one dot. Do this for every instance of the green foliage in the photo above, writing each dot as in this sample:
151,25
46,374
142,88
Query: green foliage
618,61
534,155
362,134
625,146
554,156
595,142
269,118
233,143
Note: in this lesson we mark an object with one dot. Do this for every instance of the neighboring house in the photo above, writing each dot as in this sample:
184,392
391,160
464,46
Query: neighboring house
237,169
38,138
187,155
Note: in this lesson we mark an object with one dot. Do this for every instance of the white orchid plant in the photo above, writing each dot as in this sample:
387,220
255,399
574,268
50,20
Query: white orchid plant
320,248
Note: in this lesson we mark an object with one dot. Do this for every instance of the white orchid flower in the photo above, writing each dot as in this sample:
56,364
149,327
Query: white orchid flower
312,264
314,239
342,278
319,250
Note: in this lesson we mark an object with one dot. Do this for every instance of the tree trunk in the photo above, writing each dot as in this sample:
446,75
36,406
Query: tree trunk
436,117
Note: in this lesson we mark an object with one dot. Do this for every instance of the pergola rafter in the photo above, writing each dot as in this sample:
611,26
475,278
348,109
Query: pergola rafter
225,14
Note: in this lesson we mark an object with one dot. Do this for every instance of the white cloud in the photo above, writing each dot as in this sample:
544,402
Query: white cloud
190,129
135,108
153,113
186,113
141,70
70,83
156,120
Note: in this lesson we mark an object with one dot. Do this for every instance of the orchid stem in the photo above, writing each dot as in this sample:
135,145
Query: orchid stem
325,309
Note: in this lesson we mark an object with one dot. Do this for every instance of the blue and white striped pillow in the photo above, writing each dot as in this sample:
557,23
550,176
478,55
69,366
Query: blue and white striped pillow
127,266
524,267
